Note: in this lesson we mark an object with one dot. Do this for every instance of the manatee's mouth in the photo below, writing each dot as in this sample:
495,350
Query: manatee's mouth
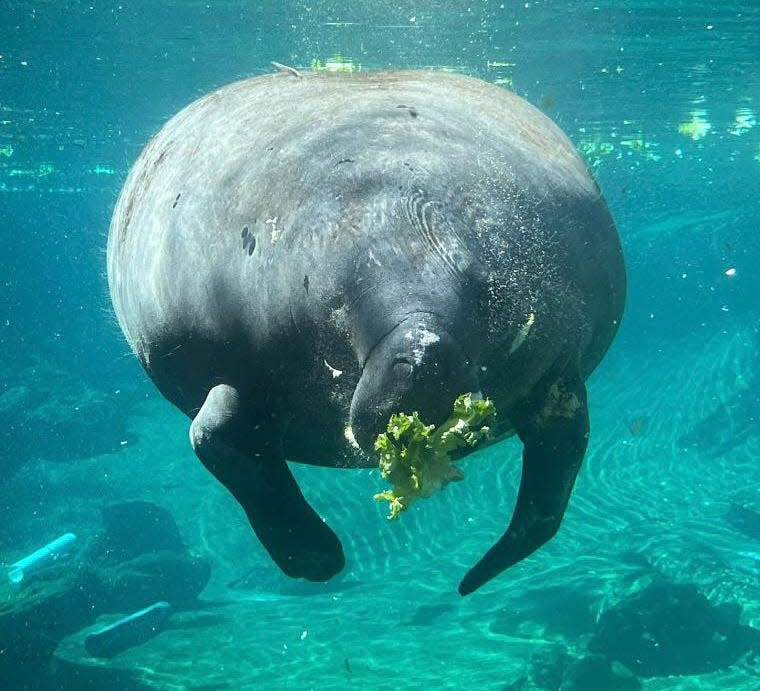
416,367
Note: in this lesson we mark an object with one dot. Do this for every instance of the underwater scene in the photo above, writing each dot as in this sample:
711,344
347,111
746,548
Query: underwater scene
157,388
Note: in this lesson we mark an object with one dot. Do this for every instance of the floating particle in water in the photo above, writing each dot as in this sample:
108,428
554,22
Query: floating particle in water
731,271
637,144
697,127
638,426
102,170
594,150
547,101
42,170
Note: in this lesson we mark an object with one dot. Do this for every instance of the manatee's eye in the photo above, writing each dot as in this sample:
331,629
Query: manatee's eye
402,366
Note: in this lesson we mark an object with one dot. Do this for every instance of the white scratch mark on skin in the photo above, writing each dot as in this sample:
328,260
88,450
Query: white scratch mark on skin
372,259
335,372
424,339
348,433
522,333
274,232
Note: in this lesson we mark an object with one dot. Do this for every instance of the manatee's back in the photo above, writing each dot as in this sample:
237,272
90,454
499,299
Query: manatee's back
244,193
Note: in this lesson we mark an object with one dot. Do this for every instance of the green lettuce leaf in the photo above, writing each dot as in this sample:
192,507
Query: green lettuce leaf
416,458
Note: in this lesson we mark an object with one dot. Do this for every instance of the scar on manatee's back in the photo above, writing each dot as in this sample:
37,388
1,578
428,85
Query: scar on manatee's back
147,173
412,110
249,240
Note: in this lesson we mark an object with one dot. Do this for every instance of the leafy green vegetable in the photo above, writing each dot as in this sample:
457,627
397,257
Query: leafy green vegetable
415,458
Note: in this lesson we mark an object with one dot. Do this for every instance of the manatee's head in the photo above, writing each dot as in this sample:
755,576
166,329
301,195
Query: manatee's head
418,366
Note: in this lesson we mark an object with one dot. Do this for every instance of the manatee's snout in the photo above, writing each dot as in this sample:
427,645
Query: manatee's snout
416,367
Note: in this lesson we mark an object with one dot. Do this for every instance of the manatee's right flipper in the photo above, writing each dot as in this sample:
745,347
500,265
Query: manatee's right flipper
553,426
297,539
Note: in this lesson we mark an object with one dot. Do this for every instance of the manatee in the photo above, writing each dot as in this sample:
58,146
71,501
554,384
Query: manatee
298,254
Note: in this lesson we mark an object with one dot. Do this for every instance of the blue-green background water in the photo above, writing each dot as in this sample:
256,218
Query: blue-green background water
662,99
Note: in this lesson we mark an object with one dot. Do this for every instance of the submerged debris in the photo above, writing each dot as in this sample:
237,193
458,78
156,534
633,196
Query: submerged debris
673,629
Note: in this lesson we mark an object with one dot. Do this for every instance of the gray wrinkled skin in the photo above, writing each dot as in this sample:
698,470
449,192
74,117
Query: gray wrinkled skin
336,248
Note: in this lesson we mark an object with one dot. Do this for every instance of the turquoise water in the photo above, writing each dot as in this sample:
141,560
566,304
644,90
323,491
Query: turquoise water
654,579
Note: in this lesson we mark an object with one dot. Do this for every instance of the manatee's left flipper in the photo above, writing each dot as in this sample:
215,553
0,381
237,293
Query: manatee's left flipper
553,426
243,458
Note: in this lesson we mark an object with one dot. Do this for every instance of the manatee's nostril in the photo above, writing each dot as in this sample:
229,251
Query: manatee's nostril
402,367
